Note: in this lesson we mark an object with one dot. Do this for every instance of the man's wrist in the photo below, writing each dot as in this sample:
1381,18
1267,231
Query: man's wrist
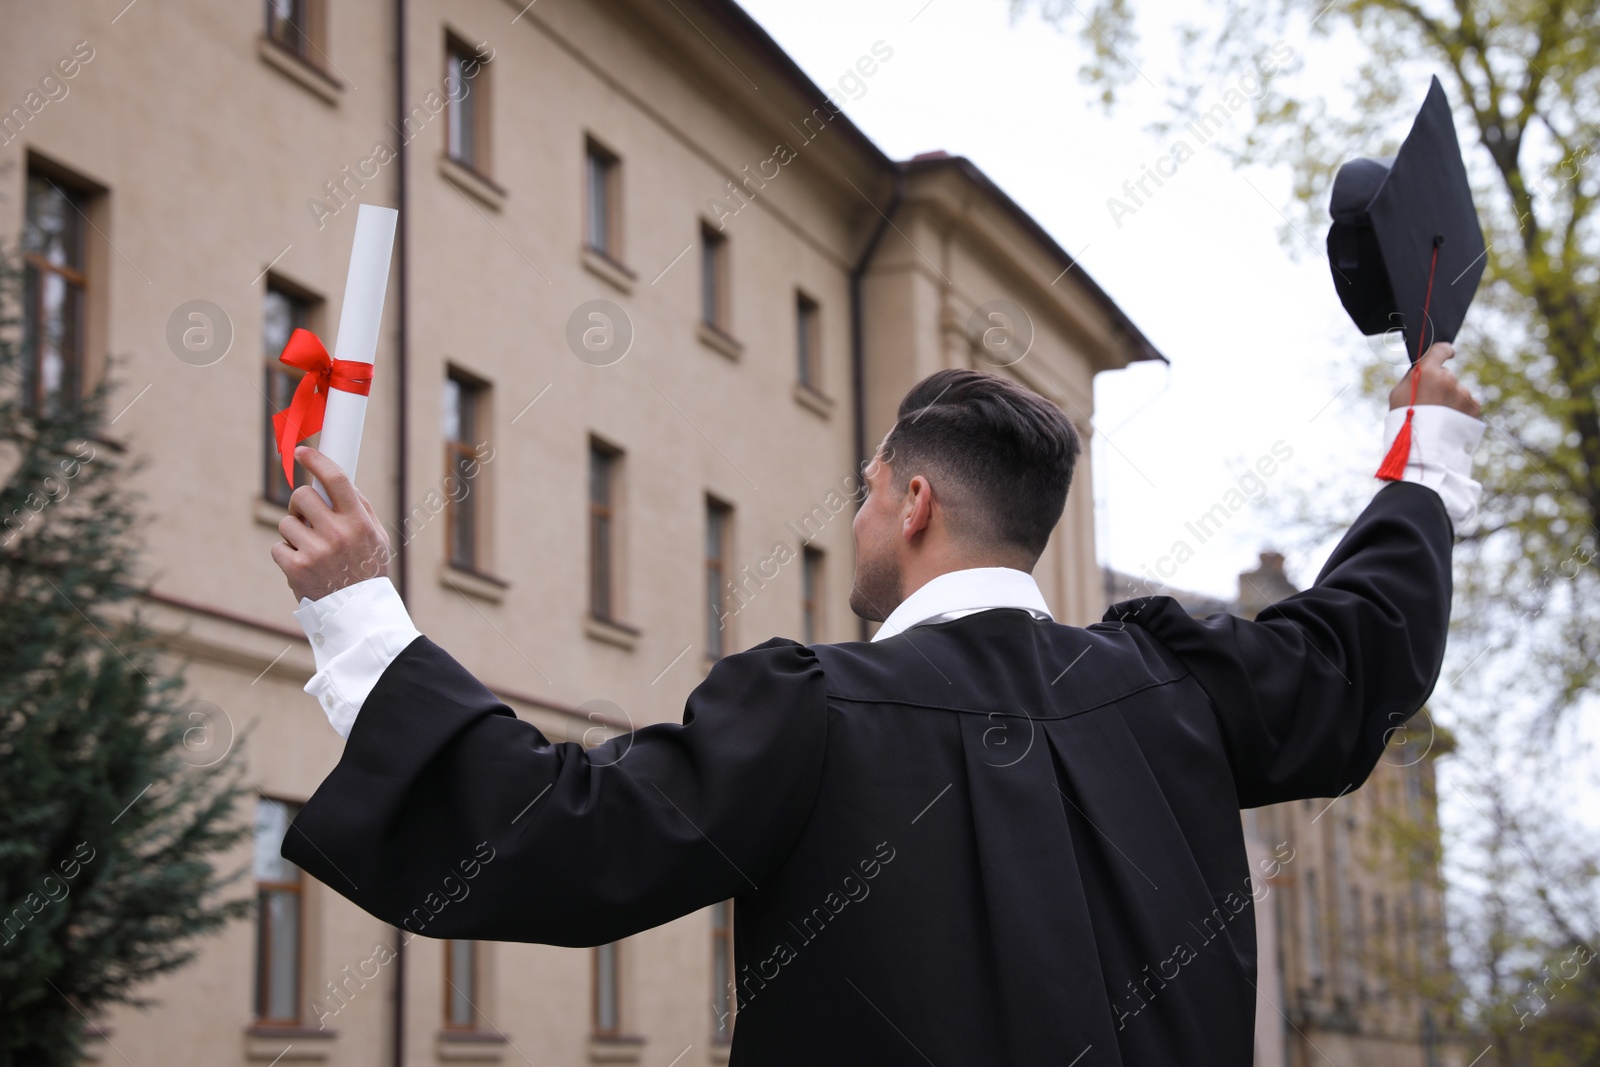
337,622
1443,440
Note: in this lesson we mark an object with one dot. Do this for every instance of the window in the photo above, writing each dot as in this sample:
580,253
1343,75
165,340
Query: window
810,589
279,916
1356,953
1313,926
282,313
806,341
466,110
607,990
714,279
289,25
718,518
603,464
1381,956
724,1000
54,284
461,985
602,181
465,411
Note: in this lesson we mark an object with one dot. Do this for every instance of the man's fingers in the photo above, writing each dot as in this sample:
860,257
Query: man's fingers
295,532
340,490
306,503
1435,356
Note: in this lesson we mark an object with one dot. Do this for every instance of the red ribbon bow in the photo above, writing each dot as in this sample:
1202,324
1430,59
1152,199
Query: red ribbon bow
303,416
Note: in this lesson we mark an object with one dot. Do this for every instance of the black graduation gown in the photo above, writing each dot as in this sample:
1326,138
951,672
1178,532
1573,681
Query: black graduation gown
994,840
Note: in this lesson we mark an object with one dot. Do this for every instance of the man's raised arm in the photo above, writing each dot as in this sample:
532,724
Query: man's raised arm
450,817
1309,692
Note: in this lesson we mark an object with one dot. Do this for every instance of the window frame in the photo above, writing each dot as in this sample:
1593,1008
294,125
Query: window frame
474,986
310,33
476,126
36,268
812,562
714,278
598,1026
723,993
474,393
301,46
719,518
261,993
276,371
602,186
606,458
808,347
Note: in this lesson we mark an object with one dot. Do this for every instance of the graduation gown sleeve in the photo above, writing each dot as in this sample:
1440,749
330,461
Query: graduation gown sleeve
450,817
1307,694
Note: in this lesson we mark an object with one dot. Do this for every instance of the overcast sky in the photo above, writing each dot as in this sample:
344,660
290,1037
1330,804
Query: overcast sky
1261,352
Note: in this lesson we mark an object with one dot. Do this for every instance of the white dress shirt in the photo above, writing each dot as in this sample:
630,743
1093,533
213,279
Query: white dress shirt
358,631
957,593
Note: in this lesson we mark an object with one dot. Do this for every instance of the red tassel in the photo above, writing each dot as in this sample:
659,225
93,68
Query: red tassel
1394,464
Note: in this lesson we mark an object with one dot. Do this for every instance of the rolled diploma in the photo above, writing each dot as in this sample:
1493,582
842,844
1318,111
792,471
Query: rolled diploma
359,319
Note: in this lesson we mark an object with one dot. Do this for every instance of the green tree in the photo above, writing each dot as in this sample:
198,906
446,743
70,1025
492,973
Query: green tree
1525,78
114,794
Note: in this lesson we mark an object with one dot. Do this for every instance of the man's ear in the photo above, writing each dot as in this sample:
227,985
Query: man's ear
917,509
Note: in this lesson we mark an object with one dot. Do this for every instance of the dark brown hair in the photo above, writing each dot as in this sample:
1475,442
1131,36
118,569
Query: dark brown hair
999,455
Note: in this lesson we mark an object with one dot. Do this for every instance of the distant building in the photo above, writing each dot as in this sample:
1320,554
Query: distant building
1351,954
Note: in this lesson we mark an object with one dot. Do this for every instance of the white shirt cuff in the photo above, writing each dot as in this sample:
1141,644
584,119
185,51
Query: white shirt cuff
1442,443
355,633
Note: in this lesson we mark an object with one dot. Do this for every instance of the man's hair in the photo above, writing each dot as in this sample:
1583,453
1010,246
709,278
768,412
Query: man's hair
999,455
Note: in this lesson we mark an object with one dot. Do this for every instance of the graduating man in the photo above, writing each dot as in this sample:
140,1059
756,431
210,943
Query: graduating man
982,837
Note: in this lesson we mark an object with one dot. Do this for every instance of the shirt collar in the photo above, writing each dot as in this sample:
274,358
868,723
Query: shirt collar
957,593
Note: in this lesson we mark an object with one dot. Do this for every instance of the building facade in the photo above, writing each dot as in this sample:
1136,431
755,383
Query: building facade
1351,953
654,301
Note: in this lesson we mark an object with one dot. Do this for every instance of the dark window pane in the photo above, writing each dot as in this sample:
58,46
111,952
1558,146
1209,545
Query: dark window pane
463,111
463,401
711,279
599,232
723,1001
461,997
810,567
281,315
716,565
805,340
280,942
53,296
278,915
288,24
53,230
601,467
607,1001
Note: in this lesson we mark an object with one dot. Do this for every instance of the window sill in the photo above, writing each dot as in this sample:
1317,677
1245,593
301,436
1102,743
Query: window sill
469,180
712,337
268,513
473,583
620,1049
321,85
812,400
611,632
482,1046
597,262
288,1043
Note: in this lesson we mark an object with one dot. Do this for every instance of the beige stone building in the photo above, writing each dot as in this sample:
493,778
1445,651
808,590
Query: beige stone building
1350,921
654,300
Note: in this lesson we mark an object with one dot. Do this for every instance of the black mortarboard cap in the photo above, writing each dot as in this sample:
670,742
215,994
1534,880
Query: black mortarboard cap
1389,215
